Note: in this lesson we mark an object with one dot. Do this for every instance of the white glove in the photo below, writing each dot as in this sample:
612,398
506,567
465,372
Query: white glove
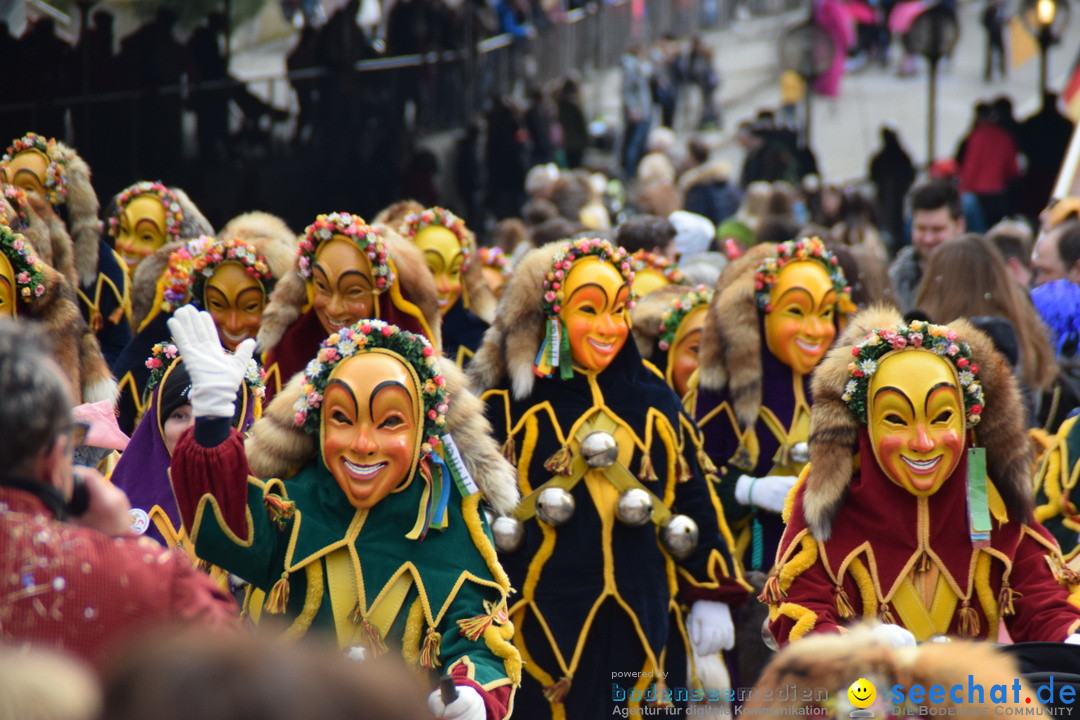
468,706
710,627
215,374
894,635
768,493
1073,639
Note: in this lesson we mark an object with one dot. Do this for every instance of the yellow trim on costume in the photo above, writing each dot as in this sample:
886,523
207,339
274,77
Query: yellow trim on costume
127,383
313,576
209,500
988,601
921,621
412,637
406,306
865,584
463,354
805,619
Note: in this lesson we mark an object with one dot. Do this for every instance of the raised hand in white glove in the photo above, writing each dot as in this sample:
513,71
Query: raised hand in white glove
215,374
710,627
1073,639
767,492
894,635
468,705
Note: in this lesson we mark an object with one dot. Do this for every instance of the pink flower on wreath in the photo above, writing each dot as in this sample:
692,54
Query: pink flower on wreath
916,339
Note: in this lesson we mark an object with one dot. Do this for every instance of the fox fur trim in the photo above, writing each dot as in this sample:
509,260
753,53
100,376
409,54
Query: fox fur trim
731,339
510,345
482,302
84,227
834,431
194,223
394,214
270,236
648,313
278,448
145,279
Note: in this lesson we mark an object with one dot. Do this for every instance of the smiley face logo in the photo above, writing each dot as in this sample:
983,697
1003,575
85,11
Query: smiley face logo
862,693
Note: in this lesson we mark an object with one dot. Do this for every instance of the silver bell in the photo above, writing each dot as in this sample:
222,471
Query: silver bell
599,449
554,506
635,507
508,533
800,452
679,535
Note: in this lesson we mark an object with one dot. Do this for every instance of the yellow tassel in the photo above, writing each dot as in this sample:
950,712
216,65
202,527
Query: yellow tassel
509,450
969,621
429,653
706,463
684,470
1005,600
646,472
885,614
843,605
559,463
924,563
661,689
557,693
370,638
772,593
279,510
278,597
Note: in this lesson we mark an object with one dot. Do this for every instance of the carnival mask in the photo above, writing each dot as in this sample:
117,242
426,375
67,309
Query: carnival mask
445,259
27,171
141,230
495,280
8,292
370,426
235,300
595,312
800,326
647,280
343,284
683,356
916,420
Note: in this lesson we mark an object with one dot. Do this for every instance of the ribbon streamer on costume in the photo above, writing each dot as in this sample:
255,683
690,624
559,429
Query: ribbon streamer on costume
435,498
978,504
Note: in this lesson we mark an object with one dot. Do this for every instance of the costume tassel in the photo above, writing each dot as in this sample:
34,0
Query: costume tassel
472,628
509,450
356,616
647,472
684,470
661,689
772,594
706,463
924,563
278,597
885,614
279,510
429,652
843,605
370,638
557,693
1005,600
969,621
559,463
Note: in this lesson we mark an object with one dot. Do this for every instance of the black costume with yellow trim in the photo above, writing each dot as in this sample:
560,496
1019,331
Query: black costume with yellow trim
1055,483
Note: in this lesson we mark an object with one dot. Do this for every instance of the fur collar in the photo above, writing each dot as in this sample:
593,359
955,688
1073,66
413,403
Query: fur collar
648,313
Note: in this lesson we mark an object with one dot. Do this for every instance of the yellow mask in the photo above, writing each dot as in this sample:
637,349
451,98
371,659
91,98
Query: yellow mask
142,229
235,300
27,171
8,290
916,420
683,354
371,421
647,280
800,327
344,289
594,312
444,257
494,280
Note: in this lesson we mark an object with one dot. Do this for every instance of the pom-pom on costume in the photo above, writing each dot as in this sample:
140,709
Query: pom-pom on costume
916,506
466,302
368,524
382,272
611,471
58,180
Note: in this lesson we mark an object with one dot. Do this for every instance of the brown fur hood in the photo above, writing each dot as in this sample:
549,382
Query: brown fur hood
648,313
194,223
278,448
834,431
411,274
394,214
511,343
731,339
144,281
270,236
83,224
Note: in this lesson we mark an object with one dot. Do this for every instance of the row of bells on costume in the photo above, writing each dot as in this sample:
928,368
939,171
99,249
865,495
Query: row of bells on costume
555,506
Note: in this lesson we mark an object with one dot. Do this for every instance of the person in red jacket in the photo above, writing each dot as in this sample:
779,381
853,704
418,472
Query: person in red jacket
988,163
70,578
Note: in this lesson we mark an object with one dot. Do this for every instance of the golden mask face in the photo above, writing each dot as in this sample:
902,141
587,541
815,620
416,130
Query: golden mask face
9,293
235,300
142,229
683,353
371,420
800,327
594,312
343,282
444,257
916,420
27,171
647,280
494,280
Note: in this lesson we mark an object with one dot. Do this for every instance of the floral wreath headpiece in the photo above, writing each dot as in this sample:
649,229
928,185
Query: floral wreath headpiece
440,217
556,345
55,174
366,238
683,306
645,260
793,251
165,353
938,339
495,258
174,214
17,198
369,335
29,270
194,263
